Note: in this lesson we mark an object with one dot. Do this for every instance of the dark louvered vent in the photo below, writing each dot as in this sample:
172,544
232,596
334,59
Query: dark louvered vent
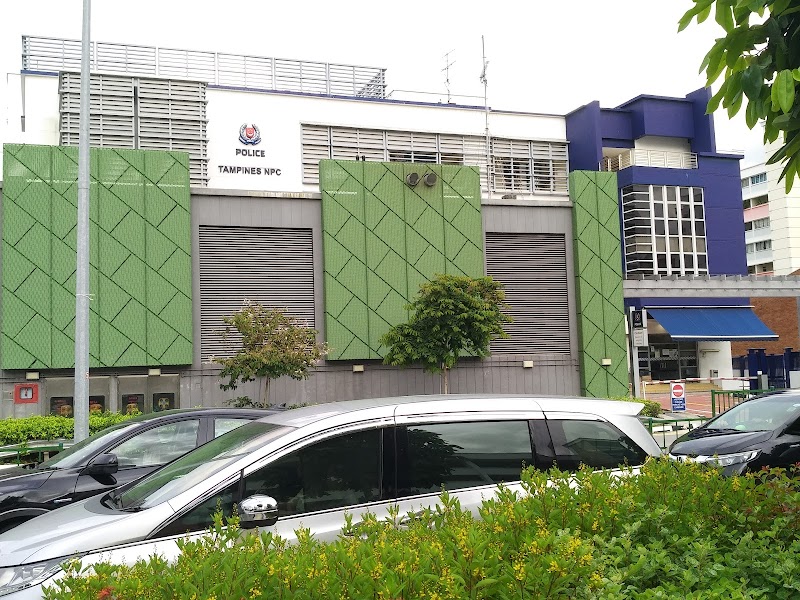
272,266
533,269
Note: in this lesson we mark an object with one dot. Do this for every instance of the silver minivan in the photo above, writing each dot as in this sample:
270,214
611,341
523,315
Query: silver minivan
307,467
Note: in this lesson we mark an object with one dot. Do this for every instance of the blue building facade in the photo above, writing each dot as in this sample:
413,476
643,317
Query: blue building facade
680,214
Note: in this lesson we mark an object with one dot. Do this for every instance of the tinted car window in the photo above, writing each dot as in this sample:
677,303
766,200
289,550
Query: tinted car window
595,444
335,473
226,424
459,455
159,445
198,465
341,471
758,414
79,454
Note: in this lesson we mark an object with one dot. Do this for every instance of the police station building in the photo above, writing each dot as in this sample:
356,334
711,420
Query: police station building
219,178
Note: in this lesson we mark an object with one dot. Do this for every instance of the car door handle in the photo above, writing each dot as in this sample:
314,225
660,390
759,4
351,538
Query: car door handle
62,500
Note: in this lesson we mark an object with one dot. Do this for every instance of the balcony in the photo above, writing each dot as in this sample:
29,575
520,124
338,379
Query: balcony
649,158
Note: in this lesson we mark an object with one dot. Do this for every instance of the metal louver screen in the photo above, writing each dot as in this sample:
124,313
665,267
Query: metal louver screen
272,266
526,166
533,269
141,113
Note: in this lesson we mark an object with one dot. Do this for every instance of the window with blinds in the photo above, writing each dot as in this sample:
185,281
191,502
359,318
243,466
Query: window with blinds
533,270
269,265
141,113
523,166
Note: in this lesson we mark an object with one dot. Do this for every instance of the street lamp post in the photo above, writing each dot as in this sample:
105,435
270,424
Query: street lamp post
81,395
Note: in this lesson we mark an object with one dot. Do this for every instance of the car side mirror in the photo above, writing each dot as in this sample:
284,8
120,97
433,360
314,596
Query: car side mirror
257,511
102,464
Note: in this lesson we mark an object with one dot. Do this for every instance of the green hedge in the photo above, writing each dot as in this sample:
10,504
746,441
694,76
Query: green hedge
17,431
651,407
674,531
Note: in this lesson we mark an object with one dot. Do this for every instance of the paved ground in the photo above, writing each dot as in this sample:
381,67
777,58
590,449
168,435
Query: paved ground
697,402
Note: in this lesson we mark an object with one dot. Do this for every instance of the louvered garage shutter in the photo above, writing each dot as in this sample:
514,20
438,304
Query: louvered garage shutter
533,269
272,266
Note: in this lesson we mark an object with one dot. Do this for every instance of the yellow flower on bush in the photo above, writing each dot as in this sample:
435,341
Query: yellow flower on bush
519,570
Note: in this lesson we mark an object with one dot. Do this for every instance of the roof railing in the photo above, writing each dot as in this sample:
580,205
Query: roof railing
216,68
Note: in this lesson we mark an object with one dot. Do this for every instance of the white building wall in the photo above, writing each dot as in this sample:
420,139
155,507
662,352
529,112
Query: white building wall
40,109
661,143
784,219
714,360
279,118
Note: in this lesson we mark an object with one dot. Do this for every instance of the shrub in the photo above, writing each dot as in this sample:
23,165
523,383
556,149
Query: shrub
651,407
674,531
18,431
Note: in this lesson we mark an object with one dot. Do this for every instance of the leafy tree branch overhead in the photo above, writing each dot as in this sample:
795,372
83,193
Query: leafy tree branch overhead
759,61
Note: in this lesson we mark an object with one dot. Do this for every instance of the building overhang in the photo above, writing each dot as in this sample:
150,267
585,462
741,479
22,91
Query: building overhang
716,323
710,286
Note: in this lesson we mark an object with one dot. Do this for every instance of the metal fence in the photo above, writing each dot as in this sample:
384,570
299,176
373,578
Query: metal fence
666,431
232,70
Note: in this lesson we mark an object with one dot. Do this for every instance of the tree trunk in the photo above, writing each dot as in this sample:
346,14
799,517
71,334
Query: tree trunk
444,385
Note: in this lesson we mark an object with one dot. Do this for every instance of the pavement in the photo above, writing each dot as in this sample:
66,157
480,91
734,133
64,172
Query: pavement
697,403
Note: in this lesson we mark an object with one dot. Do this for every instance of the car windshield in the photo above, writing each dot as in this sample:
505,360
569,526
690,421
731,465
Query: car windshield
759,414
80,454
199,465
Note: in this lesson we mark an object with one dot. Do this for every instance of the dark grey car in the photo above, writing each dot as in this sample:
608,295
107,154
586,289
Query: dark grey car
113,457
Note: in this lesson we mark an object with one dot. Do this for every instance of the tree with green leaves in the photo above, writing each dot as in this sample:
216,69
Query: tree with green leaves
272,344
759,56
452,316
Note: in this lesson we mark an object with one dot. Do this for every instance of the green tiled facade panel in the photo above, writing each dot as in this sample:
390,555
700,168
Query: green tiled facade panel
598,269
140,258
383,238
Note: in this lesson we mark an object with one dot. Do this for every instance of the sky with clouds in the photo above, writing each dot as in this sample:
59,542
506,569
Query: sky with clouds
547,57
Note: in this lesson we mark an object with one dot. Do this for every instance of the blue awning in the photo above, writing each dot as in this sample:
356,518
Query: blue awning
720,323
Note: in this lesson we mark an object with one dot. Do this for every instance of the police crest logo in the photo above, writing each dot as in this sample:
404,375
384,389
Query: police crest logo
249,134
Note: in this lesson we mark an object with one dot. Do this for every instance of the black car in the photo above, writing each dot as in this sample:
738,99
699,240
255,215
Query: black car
759,433
115,456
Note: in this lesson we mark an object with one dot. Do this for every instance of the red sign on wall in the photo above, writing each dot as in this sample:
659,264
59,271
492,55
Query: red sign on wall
26,393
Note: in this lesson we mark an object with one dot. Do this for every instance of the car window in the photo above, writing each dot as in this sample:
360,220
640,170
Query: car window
758,414
159,445
459,455
80,454
596,444
334,473
200,464
226,424
794,428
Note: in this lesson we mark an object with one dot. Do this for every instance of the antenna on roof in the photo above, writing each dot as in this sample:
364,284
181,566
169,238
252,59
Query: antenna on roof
447,65
485,83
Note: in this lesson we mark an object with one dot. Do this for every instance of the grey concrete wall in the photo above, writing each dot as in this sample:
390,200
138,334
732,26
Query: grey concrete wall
551,374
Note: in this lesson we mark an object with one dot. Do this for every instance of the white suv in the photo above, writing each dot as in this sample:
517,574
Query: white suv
311,465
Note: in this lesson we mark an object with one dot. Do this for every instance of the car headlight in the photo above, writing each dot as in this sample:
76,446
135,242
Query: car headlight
721,460
13,579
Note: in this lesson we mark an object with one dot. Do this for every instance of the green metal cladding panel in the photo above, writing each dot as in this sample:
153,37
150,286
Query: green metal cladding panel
598,268
140,258
383,238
